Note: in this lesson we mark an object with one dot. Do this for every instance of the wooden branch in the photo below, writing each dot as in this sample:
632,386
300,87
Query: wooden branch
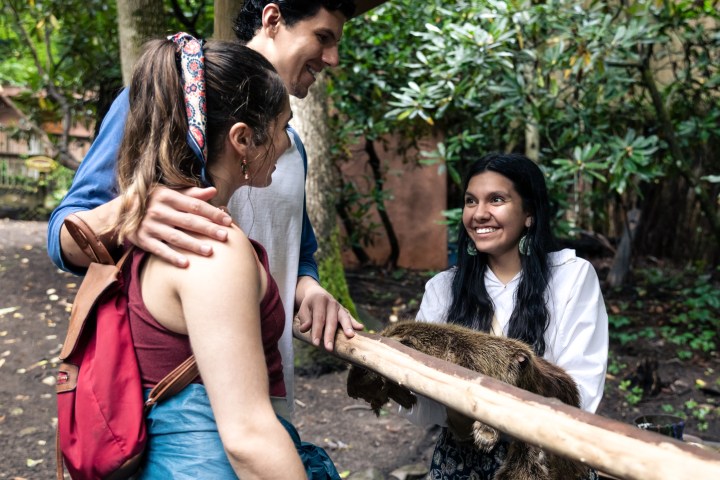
619,449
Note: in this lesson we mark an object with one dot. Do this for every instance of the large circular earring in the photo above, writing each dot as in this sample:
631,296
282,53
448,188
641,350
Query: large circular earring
524,245
471,248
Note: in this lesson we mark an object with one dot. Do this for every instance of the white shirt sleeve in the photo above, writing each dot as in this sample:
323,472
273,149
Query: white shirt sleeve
433,309
436,300
580,342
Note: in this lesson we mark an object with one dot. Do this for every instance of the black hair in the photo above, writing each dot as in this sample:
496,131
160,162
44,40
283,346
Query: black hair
471,305
249,20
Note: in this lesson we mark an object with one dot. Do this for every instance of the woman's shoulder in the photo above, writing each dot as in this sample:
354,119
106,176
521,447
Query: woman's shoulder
566,258
236,251
442,280
566,265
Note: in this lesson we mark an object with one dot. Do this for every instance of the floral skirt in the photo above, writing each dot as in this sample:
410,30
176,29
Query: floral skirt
453,460
183,443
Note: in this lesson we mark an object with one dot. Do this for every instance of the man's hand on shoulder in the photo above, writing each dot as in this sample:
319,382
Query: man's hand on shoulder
170,214
320,313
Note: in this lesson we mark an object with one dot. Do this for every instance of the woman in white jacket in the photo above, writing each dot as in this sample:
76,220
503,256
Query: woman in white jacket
512,280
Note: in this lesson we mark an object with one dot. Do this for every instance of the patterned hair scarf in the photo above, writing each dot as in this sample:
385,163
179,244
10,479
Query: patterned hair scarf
192,68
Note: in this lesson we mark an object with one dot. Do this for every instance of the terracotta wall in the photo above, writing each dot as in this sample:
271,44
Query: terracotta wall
419,195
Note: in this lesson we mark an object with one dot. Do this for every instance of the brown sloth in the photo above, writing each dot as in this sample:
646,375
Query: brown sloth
505,359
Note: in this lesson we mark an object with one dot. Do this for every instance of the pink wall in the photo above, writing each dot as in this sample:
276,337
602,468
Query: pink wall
418,197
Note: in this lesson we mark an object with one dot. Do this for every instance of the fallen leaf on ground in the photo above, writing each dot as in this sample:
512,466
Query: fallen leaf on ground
37,364
27,431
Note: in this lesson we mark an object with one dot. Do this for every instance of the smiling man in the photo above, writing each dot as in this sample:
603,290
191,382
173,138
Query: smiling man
300,38
299,48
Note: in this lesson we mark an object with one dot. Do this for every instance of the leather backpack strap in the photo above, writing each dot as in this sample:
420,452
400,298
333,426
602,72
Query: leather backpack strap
97,280
173,382
59,465
87,240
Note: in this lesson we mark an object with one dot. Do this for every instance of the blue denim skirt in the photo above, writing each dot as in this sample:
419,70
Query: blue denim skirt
183,442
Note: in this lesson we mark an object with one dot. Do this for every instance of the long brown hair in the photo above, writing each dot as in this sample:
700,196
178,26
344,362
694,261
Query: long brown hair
241,86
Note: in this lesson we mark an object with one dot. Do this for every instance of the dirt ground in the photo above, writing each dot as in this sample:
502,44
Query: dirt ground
35,300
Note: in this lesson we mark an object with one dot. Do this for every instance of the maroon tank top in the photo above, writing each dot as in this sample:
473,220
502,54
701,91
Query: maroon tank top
160,350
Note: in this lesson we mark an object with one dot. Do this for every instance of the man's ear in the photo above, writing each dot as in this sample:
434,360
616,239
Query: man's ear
240,138
271,19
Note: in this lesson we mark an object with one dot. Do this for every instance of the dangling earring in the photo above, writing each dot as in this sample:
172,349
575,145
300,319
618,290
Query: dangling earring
524,246
244,168
471,248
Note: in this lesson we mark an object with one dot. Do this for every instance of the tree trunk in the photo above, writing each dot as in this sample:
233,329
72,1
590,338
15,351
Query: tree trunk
310,119
374,162
623,256
138,21
225,13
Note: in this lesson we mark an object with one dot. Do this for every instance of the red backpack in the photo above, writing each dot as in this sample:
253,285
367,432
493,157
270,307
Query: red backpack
101,411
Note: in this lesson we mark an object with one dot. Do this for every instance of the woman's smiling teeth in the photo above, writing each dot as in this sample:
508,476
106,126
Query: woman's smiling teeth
485,230
312,71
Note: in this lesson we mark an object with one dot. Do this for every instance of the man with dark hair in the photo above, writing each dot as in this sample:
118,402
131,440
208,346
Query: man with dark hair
300,38
249,19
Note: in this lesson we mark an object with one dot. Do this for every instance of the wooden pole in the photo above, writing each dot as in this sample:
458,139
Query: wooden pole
619,449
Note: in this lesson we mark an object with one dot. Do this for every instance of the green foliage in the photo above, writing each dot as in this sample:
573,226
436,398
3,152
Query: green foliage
73,42
604,85
373,53
695,327
700,413
693,316
614,365
59,182
453,219
363,232
633,394
193,16
76,41
620,327
65,55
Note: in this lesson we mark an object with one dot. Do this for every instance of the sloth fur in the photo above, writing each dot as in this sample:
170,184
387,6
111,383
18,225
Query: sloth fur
504,359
